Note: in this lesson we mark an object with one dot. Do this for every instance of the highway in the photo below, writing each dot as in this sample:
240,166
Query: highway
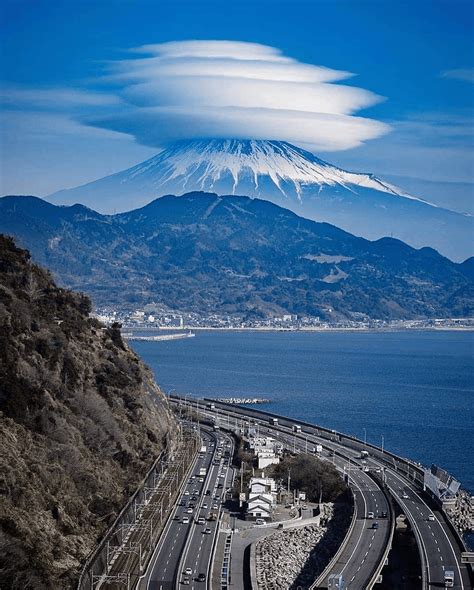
437,545
185,543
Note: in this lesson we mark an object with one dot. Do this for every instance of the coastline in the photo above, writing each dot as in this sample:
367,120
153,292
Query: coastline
305,330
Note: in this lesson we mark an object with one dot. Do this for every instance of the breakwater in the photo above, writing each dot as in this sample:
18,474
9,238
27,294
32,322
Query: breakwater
158,338
243,401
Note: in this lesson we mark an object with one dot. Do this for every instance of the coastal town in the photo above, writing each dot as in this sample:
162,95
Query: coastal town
154,316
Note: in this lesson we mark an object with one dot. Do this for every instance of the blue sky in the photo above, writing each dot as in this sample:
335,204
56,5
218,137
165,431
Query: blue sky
64,121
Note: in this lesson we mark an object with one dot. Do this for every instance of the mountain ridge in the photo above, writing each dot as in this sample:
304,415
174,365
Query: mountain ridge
235,255
289,176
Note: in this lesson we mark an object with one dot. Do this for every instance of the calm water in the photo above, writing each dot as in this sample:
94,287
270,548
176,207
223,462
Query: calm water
414,388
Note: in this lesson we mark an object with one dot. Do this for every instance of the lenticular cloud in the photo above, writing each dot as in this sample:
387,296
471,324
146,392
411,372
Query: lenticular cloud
201,89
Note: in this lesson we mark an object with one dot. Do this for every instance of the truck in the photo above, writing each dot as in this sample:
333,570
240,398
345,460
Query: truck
296,428
202,471
273,421
336,582
317,449
448,578
203,449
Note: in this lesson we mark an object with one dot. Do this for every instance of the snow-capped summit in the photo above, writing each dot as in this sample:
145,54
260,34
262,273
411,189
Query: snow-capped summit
287,175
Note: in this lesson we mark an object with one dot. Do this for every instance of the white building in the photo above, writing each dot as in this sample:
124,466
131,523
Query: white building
261,497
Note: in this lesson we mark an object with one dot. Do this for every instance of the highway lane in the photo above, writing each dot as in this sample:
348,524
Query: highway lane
162,570
433,535
435,539
199,551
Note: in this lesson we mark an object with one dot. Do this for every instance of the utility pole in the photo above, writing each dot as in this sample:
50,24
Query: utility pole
242,476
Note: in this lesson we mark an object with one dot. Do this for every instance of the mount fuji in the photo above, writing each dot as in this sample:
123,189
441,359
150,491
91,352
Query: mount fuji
288,176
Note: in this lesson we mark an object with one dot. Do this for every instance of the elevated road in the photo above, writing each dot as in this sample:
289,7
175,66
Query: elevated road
439,549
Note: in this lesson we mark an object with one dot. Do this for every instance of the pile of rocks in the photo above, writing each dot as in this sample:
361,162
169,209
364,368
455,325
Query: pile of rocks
462,513
283,556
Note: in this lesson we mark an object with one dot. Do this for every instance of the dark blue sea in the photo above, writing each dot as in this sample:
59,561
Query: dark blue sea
416,389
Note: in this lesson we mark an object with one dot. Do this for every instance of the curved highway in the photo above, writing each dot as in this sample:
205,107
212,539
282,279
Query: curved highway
438,547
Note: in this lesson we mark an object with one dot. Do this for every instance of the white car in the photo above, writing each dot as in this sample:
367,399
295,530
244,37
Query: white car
188,571
185,520
431,517
370,515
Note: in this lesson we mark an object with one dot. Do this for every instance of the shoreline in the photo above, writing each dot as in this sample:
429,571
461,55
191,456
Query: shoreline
302,330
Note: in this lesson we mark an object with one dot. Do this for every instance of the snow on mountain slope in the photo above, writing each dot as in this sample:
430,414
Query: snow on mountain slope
289,176
241,159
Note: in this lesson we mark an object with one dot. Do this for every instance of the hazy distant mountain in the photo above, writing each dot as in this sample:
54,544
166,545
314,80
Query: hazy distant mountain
289,176
235,255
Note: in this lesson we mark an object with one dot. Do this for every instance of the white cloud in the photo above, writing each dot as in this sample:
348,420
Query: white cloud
192,89
465,74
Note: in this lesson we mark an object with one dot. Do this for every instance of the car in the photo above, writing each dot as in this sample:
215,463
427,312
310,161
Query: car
370,515
215,507
201,480
259,521
188,571
208,492
204,506
201,578
193,498
219,485
201,520
189,510
431,517
383,514
196,492
375,525
404,495
186,493
206,531
185,582
185,520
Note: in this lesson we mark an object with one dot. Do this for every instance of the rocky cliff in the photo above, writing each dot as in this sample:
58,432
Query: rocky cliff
79,426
